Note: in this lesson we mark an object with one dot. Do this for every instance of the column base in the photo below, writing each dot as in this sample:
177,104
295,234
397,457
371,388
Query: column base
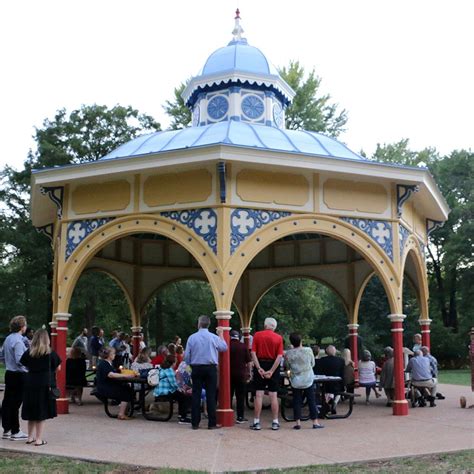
62,406
225,417
400,408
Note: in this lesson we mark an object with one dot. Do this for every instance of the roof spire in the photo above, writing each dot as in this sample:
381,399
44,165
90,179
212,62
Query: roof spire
238,30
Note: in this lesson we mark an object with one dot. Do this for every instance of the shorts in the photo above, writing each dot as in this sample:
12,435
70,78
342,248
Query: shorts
270,384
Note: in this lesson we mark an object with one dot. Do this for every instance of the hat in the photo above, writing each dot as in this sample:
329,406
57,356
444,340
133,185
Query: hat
234,334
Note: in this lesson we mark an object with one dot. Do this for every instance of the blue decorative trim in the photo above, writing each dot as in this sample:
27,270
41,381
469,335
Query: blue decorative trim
269,94
77,231
404,191
268,123
217,107
235,117
202,221
380,231
222,189
432,225
403,234
244,222
56,194
235,89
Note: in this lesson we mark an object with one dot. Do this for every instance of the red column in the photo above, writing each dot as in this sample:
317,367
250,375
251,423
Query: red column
425,332
225,414
136,331
53,334
246,335
400,404
62,403
353,334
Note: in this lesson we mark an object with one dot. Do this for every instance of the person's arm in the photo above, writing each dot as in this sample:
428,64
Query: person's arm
256,363
221,344
187,352
18,350
275,365
312,360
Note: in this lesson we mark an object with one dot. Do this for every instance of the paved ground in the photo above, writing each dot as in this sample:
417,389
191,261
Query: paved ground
370,433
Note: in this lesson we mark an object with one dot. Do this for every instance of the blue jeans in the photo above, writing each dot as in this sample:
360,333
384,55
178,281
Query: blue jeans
298,402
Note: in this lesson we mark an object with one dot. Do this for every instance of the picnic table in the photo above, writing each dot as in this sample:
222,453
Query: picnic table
320,385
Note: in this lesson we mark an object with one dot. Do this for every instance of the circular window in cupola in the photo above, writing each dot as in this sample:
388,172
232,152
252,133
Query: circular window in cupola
252,107
278,114
217,107
196,115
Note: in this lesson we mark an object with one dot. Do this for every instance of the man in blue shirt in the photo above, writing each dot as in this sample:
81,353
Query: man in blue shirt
421,375
13,349
202,354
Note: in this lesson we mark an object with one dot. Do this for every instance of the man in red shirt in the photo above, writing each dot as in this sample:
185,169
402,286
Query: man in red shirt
267,351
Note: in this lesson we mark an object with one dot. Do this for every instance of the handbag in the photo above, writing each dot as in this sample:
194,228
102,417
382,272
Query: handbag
54,392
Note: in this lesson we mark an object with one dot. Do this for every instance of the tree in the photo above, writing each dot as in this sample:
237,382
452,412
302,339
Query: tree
180,114
310,110
85,134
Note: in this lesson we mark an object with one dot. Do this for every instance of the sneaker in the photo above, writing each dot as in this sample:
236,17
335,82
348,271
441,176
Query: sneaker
20,436
241,420
275,426
6,435
184,420
255,427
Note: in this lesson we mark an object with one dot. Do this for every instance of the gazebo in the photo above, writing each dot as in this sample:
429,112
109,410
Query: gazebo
243,203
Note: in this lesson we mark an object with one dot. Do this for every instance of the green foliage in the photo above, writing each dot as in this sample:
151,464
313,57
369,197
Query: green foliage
310,109
180,114
85,134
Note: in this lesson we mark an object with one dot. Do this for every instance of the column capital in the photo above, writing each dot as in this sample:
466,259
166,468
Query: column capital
62,316
223,314
425,322
396,318
245,329
53,324
136,329
353,326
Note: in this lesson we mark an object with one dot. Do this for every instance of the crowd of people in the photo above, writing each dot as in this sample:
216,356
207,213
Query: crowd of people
189,375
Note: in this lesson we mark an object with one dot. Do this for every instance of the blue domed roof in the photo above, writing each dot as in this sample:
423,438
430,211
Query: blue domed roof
239,134
238,55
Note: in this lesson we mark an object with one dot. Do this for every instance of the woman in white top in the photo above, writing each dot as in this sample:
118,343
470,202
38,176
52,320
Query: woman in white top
367,371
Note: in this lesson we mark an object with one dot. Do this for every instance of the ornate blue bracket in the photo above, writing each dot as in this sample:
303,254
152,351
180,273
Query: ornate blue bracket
47,230
244,222
56,194
432,225
77,231
403,234
222,189
404,191
380,231
202,221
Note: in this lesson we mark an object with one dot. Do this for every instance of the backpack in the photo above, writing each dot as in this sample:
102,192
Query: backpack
153,377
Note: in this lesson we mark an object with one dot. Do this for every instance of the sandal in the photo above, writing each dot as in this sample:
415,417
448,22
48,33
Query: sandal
31,442
123,417
43,442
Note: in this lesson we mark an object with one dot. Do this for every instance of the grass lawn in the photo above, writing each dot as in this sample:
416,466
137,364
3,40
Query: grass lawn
455,377
18,463
2,373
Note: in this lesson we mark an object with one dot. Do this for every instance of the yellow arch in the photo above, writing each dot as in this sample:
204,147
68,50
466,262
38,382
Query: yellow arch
128,225
355,315
121,285
326,225
305,277
412,248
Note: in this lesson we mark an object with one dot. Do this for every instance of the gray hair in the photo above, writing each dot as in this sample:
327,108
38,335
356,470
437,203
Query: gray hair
425,350
331,350
366,355
270,323
204,321
388,351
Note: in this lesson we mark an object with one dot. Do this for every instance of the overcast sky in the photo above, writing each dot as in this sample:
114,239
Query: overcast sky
402,69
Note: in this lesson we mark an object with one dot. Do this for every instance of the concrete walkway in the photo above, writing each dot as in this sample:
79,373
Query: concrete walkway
370,433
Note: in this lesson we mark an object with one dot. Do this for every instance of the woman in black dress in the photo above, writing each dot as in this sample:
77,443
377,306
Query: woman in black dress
76,375
111,384
38,405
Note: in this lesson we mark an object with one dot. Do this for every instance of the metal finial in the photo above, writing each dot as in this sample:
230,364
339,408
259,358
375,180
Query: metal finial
238,30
